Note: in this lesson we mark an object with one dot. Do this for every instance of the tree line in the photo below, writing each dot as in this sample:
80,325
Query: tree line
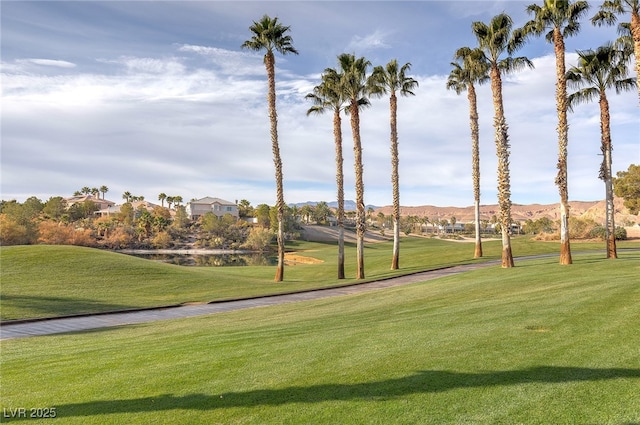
348,88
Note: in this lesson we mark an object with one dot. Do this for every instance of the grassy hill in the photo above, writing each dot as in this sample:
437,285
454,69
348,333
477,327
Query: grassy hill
44,281
538,344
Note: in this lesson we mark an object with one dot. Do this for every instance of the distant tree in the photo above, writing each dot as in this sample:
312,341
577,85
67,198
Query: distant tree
95,192
181,218
126,196
126,214
262,214
245,209
86,190
627,186
177,200
103,189
270,35
393,79
82,210
322,212
161,198
306,211
55,208
596,72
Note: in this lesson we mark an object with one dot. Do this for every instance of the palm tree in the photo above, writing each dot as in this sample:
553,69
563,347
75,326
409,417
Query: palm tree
356,89
103,189
329,96
393,79
608,14
597,71
494,40
269,35
468,70
558,19
162,197
127,196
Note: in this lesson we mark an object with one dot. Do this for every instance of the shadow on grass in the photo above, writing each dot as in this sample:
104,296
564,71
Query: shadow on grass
431,381
54,306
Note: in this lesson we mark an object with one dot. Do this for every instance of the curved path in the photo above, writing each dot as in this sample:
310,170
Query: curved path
38,327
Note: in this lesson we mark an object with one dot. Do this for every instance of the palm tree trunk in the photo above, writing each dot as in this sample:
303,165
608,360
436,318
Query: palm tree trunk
360,213
337,134
475,163
269,62
502,152
563,141
393,105
605,174
635,35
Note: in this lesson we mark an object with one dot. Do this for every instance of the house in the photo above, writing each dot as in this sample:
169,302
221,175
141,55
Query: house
217,206
136,205
79,199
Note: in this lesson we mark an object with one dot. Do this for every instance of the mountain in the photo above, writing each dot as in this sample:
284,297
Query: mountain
594,210
349,205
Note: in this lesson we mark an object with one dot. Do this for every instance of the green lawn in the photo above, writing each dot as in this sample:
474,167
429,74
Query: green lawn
538,344
45,281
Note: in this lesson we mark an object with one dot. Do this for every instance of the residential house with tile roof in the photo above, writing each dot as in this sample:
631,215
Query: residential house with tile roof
199,207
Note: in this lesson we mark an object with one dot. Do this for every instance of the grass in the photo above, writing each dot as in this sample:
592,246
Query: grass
46,281
538,344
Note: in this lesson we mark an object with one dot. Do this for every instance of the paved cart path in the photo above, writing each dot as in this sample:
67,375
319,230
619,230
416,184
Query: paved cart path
38,327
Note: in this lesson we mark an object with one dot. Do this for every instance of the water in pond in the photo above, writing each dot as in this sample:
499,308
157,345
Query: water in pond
211,260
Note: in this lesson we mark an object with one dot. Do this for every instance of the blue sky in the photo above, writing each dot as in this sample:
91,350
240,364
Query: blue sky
152,97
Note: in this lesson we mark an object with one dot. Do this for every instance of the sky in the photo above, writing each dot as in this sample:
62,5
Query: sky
158,97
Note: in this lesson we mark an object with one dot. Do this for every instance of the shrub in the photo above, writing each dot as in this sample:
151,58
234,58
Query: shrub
12,232
162,240
259,239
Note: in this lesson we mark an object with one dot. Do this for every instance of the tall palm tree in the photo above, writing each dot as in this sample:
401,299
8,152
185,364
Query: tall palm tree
162,197
558,19
357,86
127,196
597,71
270,35
393,79
608,14
329,96
494,39
468,70
103,189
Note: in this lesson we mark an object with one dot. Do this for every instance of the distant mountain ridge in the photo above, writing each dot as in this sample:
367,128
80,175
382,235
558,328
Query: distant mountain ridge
594,210
349,205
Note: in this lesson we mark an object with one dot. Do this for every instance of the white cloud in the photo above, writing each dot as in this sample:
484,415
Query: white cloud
51,62
191,120
375,40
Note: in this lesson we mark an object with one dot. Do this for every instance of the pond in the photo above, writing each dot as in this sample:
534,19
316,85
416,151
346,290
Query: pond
207,259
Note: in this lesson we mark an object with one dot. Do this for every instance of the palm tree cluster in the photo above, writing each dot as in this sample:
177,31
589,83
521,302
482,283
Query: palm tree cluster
92,190
348,88
602,69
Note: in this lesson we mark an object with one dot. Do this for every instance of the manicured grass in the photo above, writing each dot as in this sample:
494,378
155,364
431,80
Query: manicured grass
538,344
45,281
